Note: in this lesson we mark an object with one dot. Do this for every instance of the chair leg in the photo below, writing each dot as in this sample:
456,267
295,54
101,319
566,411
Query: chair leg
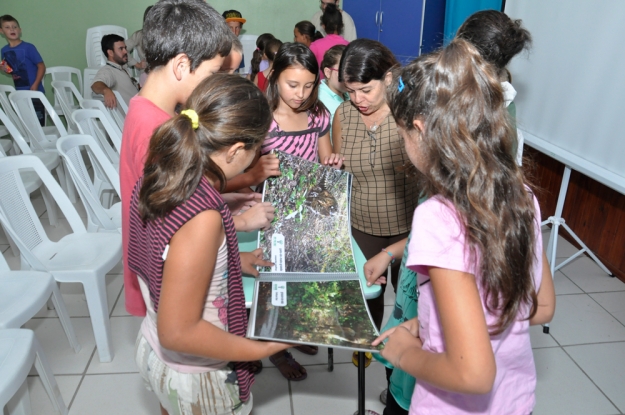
19,404
47,378
50,206
61,310
95,291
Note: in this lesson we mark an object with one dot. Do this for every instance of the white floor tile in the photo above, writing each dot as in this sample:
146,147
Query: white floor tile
40,402
271,393
580,320
4,247
563,285
76,302
564,249
38,203
605,365
120,307
613,302
563,389
337,392
3,237
114,394
124,330
13,261
587,275
80,208
539,339
55,345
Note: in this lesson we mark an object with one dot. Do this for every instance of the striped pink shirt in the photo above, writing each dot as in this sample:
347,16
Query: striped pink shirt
302,144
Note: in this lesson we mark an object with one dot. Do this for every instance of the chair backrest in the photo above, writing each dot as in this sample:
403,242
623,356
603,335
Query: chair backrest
96,124
66,94
249,46
70,149
22,102
95,104
20,219
119,112
4,266
95,57
14,133
67,74
5,91
88,75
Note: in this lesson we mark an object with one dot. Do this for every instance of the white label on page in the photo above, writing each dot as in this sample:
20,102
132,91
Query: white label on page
277,252
278,294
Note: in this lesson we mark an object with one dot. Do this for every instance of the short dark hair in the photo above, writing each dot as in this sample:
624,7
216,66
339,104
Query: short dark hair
365,60
191,27
289,55
108,43
332,19
8,18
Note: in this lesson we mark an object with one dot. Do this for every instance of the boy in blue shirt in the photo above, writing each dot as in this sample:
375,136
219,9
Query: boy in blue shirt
23,62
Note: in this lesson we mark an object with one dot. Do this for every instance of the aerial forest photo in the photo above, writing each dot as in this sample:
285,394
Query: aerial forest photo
312,213
326,313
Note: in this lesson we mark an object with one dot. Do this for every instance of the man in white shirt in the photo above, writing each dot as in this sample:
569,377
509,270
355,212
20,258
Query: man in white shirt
349,28
113,76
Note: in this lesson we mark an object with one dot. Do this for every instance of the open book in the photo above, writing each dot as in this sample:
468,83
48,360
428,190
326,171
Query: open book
312,295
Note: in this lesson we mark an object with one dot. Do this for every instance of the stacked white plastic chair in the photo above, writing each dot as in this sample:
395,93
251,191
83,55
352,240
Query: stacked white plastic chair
88,76
249,46
80,256
95,123
99,217
5,105
120,111
66,74
69,98
19,351
95,57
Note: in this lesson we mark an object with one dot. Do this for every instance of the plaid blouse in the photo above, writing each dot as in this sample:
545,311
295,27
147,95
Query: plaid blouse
383,198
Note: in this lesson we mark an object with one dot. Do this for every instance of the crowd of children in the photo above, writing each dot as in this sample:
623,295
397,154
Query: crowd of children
438,198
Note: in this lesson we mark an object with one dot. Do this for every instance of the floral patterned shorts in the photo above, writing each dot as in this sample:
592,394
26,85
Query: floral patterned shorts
179,393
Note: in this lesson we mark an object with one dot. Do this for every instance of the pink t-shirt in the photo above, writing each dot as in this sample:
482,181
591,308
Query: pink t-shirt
142,119
321,46
438,241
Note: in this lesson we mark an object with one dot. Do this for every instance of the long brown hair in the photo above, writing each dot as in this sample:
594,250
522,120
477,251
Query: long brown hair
231,110
467,161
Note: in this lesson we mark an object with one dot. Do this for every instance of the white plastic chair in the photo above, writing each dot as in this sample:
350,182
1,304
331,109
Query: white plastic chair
95,57
24,293
7,144
5,105
94,104
69,99
99,216
50,159
88,75
95,123
249,46
66,74
19,350
119,112
80,256
23,105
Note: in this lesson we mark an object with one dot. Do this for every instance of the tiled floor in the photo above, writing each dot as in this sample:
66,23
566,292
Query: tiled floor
580,364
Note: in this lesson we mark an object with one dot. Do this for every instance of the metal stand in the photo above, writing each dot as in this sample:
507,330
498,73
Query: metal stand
556,222
361,387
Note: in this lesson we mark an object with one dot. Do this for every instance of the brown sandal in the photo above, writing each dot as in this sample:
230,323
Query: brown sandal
284,359
309,350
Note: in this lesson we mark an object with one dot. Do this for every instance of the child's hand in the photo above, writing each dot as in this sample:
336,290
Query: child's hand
375,267
400,341
257,217
251,260
334,160
266,166
240,202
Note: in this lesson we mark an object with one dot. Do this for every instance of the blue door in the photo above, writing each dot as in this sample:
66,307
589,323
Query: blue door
366,14
400,27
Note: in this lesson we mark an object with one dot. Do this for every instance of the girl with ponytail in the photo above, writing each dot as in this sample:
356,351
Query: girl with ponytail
191,350
259,62
475,245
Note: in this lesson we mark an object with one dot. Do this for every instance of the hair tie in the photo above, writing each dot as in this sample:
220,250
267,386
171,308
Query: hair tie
401,85
192,115
258,49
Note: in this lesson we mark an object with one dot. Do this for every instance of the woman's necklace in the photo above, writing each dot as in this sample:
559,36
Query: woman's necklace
376,124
